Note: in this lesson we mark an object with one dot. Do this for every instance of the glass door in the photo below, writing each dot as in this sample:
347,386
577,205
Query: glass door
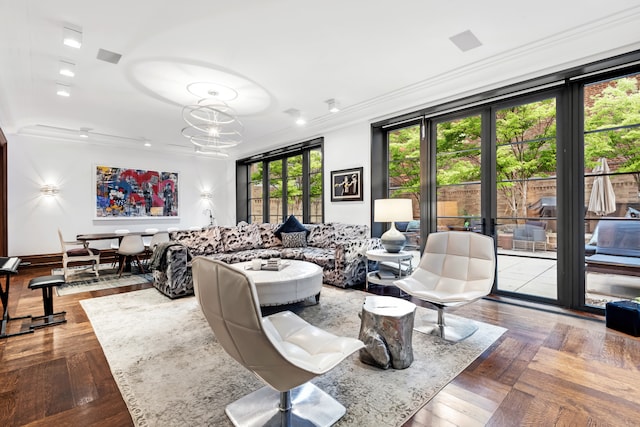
458,174
511,192
611,179
525,199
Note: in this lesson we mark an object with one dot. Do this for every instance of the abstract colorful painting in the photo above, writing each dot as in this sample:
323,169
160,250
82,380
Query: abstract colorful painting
128,193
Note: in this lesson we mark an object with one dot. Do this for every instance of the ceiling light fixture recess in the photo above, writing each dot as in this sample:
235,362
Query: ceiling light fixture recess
84,132
333,105
67,69
297,116
72,36
63,90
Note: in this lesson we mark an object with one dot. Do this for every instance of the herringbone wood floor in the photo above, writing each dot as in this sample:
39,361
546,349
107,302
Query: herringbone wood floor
547,369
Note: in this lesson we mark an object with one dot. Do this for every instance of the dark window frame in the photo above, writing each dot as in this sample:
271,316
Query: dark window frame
568,86
243,167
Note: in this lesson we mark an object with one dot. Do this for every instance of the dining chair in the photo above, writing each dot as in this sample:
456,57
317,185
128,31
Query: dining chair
72,253
147,239
131,247
116,242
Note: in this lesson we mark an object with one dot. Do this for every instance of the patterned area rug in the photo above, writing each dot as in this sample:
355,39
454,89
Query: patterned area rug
85,281
171,371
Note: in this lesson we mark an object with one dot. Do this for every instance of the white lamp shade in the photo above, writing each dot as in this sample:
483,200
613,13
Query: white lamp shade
390,210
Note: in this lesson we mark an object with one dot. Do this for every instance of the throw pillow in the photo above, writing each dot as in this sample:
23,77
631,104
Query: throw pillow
291,225
297,239
267,234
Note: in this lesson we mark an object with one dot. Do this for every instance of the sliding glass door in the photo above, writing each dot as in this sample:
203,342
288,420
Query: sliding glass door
525,197
496,174
552,173
611,178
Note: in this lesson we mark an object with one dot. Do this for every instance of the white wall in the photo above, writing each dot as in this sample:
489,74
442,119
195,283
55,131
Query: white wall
34,161
349,147
34,219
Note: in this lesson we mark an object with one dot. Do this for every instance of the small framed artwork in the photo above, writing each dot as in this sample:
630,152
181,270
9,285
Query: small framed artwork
346,185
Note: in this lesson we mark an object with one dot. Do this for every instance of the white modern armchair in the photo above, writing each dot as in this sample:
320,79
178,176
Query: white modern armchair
456,268
282,350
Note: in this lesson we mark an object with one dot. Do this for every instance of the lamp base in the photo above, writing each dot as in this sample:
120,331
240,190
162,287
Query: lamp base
393,241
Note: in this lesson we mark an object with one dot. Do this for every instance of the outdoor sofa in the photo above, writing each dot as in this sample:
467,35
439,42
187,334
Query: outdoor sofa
615,247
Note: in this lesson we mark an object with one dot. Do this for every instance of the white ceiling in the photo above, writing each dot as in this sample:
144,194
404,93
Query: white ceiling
377,58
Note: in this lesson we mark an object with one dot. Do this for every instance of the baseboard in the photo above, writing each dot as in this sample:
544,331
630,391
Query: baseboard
55,260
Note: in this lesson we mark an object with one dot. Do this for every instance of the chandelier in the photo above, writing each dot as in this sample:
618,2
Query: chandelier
212,125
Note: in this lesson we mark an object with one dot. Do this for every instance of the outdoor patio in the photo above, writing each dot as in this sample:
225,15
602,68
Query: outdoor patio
531,273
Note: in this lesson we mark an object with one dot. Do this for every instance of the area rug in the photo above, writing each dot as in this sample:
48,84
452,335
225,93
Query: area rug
172,372
85,281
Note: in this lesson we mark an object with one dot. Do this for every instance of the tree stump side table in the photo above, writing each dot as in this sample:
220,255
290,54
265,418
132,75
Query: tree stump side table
386,329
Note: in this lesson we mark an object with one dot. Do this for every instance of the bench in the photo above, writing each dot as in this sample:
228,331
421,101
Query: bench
617,248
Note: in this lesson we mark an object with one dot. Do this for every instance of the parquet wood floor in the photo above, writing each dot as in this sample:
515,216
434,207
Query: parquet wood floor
547,369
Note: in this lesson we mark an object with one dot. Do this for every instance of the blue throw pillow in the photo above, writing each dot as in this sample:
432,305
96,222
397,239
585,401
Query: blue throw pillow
291,225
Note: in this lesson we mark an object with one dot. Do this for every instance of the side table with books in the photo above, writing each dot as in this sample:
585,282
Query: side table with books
391,266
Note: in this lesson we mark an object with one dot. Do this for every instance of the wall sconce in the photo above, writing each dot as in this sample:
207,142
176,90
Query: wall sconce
49,190
206,195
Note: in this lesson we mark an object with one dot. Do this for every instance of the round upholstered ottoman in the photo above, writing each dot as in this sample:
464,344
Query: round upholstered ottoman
295,281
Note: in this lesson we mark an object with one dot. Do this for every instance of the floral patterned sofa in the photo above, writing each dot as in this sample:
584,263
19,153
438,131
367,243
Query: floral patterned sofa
337,248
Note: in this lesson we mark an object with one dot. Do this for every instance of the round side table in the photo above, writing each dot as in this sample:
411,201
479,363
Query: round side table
386,277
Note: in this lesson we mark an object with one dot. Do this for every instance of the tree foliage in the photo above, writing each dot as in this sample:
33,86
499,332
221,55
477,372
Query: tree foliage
404,162
295,189
618,105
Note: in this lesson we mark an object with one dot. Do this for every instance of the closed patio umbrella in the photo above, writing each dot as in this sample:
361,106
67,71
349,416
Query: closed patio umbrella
602,200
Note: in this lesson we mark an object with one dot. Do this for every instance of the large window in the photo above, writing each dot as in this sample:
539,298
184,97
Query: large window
404,165
550,168
274,185
611,178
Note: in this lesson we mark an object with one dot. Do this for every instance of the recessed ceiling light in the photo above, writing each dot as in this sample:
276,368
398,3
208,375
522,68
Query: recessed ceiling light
465,41
147,144
72,37
297,116
333,105
67,68
63,90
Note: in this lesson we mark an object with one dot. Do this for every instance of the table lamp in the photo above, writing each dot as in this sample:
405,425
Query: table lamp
391,210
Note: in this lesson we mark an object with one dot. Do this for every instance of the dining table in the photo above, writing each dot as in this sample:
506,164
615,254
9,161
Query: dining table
86,238
89,237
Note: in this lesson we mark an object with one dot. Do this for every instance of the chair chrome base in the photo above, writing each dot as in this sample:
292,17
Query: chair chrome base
453,330
309,406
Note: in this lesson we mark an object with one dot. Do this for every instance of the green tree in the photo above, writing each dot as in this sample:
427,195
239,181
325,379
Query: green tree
404,163
525,149
295,188
612,123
